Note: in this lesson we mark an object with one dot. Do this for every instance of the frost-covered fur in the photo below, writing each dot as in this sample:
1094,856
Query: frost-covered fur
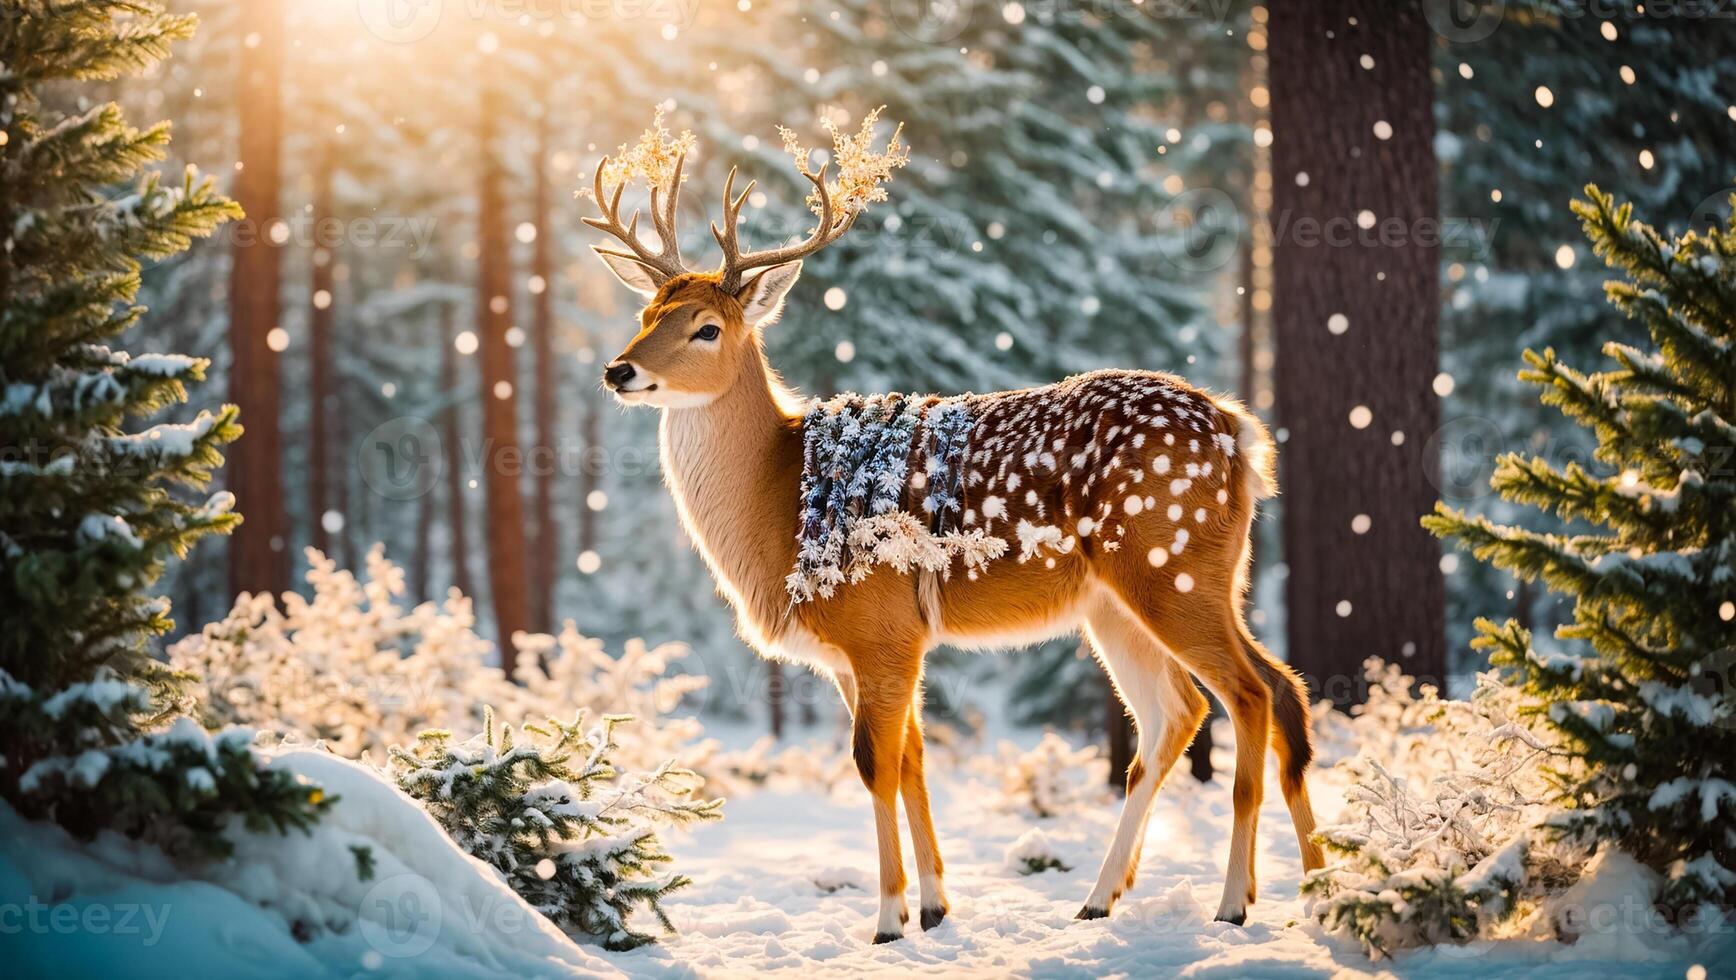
856,477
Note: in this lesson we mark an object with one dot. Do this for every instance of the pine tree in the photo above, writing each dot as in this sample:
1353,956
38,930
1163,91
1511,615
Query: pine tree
1628,103
89,509
1646,713
571,834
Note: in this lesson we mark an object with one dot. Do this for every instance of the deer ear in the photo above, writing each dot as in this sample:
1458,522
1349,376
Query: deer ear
632,273
762,299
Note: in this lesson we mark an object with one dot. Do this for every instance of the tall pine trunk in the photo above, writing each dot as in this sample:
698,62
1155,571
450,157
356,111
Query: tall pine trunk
502,457
258,552
452,447
590,469
1378,593
320,353
544,570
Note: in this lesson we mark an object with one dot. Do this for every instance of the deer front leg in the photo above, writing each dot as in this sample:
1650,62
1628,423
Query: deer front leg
882,706
913,784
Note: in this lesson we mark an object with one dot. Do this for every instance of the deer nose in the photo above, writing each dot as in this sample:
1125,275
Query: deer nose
618,374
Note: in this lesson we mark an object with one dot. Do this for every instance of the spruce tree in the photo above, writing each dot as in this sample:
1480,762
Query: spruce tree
1649,560
94,498
568,831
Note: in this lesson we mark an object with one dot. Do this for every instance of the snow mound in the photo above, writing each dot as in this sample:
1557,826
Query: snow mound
283,905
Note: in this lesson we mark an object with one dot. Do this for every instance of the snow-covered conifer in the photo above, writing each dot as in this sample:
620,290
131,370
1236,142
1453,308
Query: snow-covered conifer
94,497
1646,711
573,835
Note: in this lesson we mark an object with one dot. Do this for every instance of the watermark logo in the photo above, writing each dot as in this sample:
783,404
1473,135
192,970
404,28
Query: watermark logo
1199,231
401,916
1713,212
401,458
1464,21
1466,449
932,21
400,21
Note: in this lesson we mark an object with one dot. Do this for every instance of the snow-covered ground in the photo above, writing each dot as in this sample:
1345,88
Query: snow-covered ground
785,884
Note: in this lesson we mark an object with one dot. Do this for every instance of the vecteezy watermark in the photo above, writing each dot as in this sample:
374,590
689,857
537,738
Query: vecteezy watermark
402,458
1650,10
401,916
943,21
1199,231
413,233
1464,21
1470,238
35,917
404,915
409,21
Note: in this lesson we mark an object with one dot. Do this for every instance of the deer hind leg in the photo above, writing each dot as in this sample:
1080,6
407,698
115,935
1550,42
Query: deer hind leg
914,786
1290,737
1204,636
881,718
1167,711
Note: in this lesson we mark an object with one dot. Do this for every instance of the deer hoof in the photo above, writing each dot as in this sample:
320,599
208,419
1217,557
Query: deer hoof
1087,913
887,937
932,917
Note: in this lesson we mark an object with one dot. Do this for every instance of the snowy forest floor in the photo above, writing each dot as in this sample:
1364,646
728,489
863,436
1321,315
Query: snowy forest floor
785,884
763,899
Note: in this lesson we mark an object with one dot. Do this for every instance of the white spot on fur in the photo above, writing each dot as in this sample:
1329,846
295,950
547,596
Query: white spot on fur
1086,526
1133,505
1175,512
994,507
1184,582
1160,465
1158,557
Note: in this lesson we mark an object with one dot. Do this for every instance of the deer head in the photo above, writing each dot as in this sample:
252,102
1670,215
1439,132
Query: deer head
699,329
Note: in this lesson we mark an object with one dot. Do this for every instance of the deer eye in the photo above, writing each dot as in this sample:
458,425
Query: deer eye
710,331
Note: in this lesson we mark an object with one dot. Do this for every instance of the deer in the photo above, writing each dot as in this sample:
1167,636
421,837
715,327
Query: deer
1120,503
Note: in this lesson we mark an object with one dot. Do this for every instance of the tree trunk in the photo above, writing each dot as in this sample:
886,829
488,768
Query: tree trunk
1118,729
452,446
590,467
421,557
1378,593
775,697
320,352
544,570
502,457
258,552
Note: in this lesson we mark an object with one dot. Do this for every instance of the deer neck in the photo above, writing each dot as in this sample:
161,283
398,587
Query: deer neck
734,469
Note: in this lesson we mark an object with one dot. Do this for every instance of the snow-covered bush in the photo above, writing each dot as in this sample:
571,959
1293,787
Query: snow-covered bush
568,831
803,766
1032,854
1436,840
1047,780
356,668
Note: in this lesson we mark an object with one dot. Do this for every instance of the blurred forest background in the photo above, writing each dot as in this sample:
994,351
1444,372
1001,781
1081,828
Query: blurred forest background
1092,183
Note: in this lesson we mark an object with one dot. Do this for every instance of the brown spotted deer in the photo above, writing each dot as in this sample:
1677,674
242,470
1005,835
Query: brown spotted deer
1123,498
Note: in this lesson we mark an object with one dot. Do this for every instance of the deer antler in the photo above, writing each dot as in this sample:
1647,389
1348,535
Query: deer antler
665,263
735,263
